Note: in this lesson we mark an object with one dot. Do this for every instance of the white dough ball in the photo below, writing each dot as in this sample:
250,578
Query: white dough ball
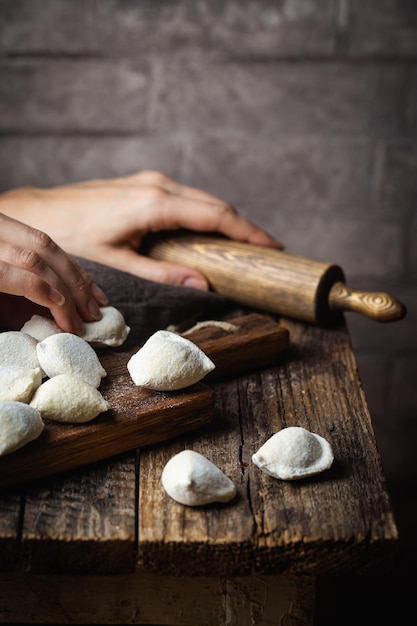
191,479
167,362
111,330
19,424
40,327
65,353
17,382
67,398
18,348
292,453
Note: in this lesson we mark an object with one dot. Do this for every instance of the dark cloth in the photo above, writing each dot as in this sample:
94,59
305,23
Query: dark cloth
148,306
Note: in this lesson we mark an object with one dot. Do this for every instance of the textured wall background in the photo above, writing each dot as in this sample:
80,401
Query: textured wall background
302,113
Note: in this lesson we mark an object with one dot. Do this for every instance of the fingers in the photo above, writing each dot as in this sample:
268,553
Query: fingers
169,212
33,266
159,271
19,282
194,209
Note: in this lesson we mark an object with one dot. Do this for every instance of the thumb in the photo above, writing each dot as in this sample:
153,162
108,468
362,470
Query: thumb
130,261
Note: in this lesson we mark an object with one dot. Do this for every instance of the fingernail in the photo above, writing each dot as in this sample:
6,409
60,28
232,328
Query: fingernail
94,309
99,294
56,296
196,283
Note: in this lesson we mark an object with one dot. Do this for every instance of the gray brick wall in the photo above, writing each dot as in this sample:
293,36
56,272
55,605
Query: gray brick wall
302,113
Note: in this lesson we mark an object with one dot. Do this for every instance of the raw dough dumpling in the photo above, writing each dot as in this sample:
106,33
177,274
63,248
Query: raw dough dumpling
17,383
19,424
191,479
167,362
292,453
18,348
67,398
65,353
111,330
40,327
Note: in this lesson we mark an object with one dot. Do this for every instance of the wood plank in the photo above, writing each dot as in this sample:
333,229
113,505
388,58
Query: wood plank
340,520
333,522
140,417
83,521
157,599
11,512
216,540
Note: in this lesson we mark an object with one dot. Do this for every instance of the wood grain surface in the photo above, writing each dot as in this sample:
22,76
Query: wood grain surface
272,280
114,517
140,417
337,521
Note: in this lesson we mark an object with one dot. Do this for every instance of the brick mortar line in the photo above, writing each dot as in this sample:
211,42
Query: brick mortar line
383,138
215,58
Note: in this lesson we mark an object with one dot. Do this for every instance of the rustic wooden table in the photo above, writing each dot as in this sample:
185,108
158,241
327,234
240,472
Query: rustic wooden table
105,544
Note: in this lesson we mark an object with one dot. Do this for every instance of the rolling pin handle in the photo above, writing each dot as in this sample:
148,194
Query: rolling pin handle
378,306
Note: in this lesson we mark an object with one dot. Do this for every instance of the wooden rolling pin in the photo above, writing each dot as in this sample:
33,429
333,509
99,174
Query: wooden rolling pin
272,280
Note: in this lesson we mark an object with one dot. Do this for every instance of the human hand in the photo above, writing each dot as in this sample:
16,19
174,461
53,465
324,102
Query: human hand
106,220
35,272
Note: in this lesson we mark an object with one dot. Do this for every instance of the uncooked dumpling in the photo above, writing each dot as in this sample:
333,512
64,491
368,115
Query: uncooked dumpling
65,353
111,330
19,424
67,398
18,348
292,453
40,327
190,478
18,382
167,362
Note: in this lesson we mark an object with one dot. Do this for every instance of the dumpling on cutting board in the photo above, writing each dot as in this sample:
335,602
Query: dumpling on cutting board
18,348
111,330
19,424
167,362
40,327
18,382
65,353
68,398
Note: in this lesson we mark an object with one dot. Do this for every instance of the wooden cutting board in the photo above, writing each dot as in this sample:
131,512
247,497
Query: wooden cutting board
140,417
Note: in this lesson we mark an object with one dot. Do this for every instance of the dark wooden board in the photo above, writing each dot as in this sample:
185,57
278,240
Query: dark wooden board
139,417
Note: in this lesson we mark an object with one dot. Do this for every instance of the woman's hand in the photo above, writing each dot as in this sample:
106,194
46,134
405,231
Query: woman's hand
32,265
106,220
